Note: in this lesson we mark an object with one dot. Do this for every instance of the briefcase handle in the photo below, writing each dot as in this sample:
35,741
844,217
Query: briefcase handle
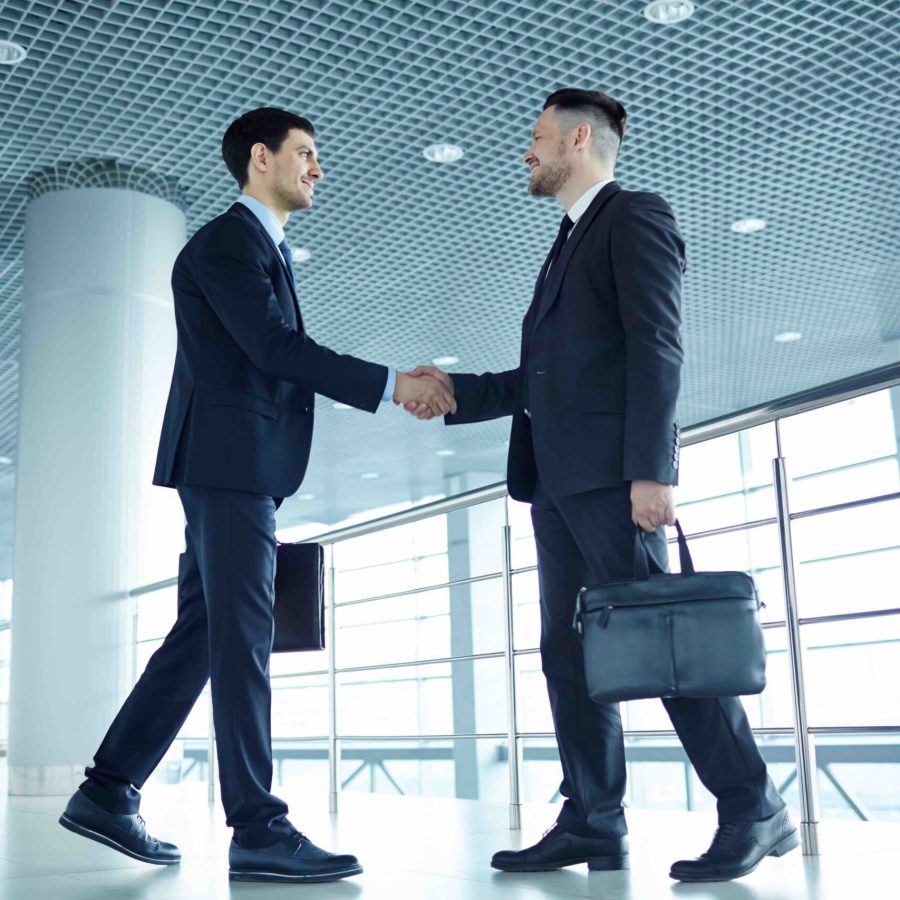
641,558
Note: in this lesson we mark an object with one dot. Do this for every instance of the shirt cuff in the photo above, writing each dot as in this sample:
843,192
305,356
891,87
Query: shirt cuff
389,386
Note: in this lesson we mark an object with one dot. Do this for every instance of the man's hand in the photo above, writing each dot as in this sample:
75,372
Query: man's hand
418,409
652,504
424,395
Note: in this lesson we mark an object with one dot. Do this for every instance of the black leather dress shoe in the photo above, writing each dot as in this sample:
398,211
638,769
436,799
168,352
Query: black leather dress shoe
738,848
294,858
557,849
127,834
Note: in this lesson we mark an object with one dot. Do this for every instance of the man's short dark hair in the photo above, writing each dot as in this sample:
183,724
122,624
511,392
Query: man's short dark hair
596,108
266,125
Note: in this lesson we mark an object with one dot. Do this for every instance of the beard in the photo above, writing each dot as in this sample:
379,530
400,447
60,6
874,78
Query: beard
549,179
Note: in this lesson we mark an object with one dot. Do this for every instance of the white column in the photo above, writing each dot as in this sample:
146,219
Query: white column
97,348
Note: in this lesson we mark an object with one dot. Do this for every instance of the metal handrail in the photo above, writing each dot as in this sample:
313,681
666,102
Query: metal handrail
877,379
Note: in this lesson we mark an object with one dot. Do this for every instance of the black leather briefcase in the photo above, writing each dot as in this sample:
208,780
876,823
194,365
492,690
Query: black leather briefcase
694,634
299,598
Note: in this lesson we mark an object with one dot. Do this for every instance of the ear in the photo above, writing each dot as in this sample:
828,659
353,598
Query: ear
259,156
583,134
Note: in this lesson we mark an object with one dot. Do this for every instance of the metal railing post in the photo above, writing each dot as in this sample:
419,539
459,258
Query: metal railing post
211,755
805,749
515,803
333,747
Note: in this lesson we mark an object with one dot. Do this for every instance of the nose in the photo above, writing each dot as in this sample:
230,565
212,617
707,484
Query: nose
315,171
528,157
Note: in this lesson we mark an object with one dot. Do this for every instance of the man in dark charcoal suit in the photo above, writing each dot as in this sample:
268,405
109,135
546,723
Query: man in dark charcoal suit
235,441
594,448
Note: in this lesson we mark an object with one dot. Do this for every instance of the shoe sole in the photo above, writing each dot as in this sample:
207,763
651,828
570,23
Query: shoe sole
248,875
68,822
785,845
594,864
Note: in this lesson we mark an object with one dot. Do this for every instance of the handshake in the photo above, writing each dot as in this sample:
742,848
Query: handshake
425,392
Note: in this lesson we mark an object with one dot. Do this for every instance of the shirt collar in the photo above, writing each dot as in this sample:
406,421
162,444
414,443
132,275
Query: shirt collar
579,207
266,217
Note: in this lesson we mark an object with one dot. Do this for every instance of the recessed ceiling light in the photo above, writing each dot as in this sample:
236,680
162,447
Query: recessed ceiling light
370,476
668,12
306,496
5,461
748,226
445,453
11,54
445,360
787,336
341,406
300,255
443,153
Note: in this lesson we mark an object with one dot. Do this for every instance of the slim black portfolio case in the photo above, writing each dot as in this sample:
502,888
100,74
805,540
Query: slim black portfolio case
299,598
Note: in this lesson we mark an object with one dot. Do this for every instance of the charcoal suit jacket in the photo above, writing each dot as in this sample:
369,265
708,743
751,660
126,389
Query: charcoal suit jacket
240,409
600,359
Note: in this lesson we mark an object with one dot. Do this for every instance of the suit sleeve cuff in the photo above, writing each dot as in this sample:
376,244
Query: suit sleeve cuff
388,394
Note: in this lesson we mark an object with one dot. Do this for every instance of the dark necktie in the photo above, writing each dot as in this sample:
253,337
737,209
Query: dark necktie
286,253
565,226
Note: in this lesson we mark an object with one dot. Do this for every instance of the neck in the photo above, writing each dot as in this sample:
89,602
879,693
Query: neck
281,214
579,183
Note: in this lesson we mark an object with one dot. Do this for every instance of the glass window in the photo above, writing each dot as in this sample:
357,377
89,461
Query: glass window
522,549
850,671
532,703
732,464
300,706
853,583
468,769
156,613
463,544
459,621
826,441
526,611
846,561
300,765
465,697
859,777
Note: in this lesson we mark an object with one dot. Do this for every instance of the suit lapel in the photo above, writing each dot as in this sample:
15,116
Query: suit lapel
557,273
247,214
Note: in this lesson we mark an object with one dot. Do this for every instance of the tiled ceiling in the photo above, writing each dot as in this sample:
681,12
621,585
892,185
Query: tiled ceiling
782,111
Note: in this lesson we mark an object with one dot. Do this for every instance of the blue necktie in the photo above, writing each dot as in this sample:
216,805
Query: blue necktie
286,253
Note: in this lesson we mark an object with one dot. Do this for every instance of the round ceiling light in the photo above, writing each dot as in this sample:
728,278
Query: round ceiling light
5,461
748,226
443,153
306,496
668,12
445,360
369,476
300,255
445,453
11,54
787,336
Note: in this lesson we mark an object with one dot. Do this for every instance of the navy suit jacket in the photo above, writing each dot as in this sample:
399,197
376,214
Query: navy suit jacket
240,409
601,352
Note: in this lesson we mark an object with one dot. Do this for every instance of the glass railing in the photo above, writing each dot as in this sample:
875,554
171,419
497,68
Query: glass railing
432,683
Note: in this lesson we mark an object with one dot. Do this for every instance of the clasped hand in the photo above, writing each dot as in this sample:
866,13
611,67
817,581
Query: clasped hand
425,392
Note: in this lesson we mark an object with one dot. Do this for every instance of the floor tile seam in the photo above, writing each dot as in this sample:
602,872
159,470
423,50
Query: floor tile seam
22,876
498,881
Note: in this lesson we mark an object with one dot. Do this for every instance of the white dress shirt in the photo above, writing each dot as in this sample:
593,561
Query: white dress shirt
579,207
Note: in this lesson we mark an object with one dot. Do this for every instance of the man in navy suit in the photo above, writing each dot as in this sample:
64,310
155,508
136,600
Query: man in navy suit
235,441
595,450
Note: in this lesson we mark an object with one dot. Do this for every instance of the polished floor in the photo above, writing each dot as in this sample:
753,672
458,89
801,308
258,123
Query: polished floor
415,848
